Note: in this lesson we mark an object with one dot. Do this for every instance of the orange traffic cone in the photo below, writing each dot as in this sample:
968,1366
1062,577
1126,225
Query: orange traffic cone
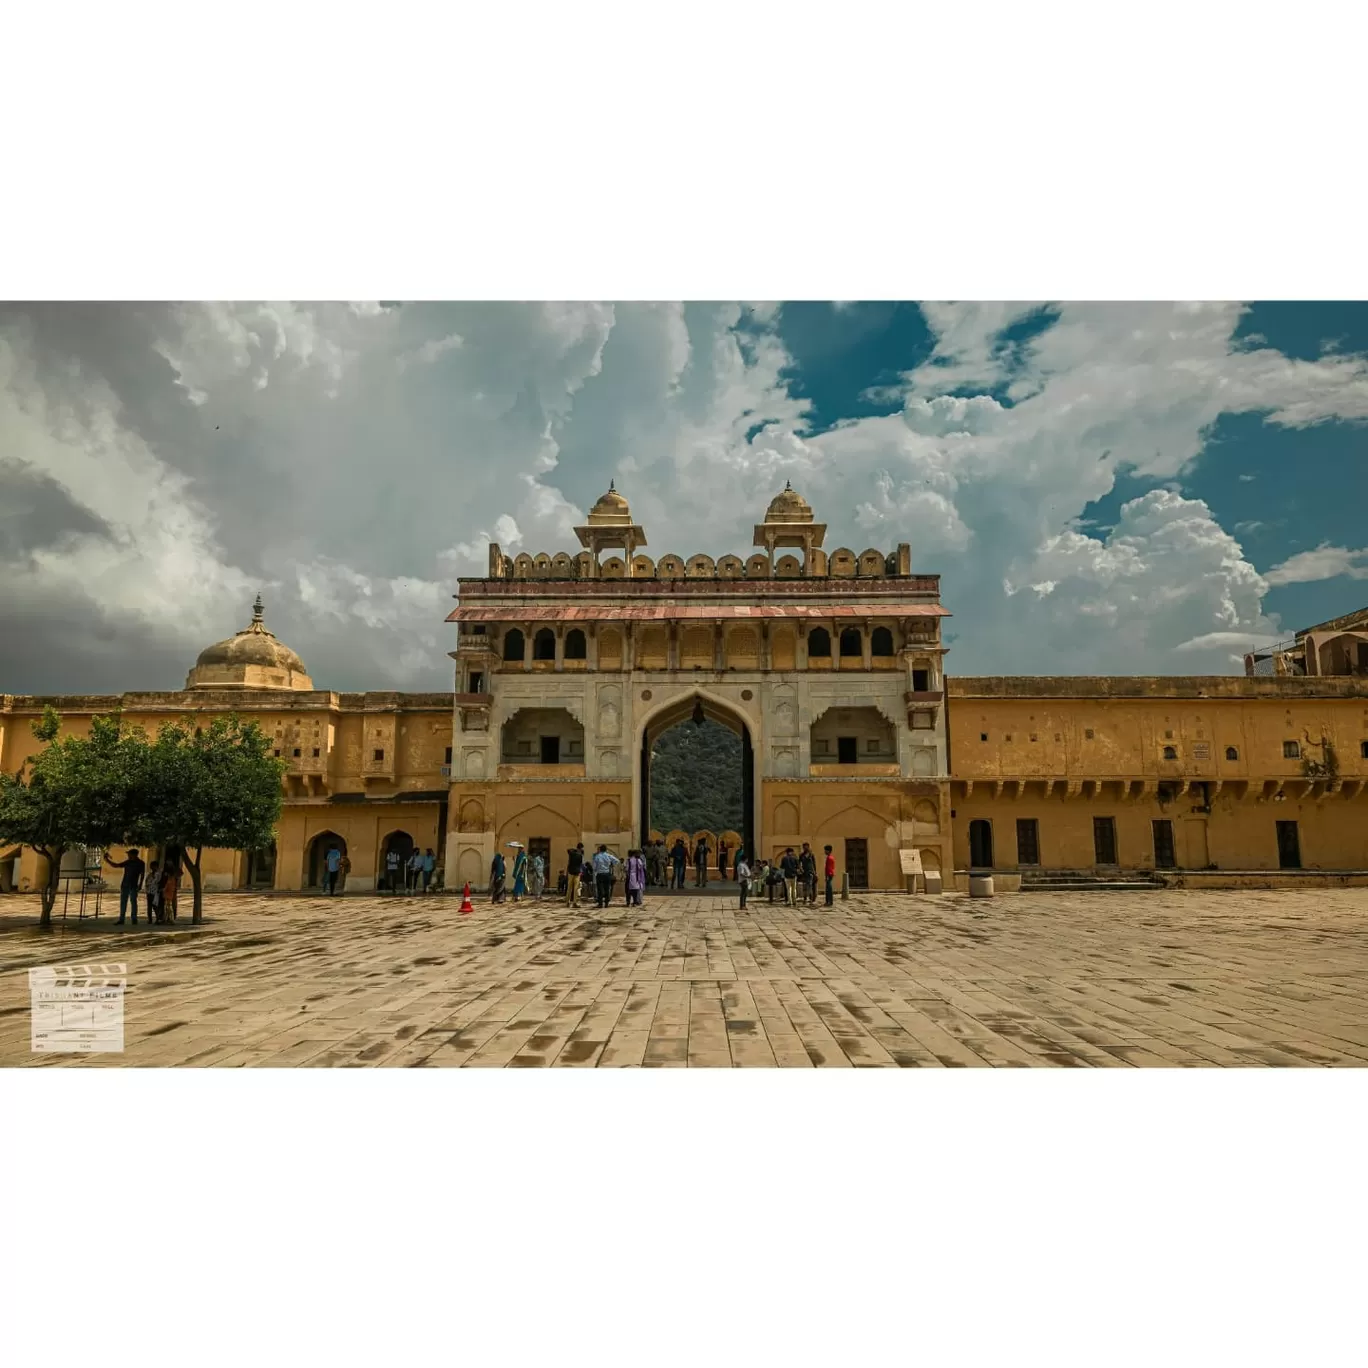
465,900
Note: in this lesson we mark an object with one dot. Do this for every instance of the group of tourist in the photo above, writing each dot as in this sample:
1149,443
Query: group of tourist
667,868
410,875
158,882
529,875
794,874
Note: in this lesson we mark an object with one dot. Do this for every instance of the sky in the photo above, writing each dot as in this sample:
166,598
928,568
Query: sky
1105,488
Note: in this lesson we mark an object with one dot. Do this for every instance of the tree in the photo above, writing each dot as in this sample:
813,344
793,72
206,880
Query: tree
216,787
77,791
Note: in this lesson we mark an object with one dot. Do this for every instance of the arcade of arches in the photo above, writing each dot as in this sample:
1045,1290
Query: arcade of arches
830,669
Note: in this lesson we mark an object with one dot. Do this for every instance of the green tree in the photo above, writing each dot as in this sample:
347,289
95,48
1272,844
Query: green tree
77,791
213,787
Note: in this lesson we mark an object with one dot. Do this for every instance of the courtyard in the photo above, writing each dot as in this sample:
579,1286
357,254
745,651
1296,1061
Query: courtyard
1161,979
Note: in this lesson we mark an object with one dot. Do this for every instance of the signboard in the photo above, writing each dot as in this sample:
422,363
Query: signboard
911,861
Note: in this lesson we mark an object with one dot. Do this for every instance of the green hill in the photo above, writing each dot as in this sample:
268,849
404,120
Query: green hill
696,779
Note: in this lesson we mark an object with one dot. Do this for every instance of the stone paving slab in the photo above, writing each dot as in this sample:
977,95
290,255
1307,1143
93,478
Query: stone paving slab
1169,979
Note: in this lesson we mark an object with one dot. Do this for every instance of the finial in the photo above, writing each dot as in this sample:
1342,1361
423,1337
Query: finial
612,487
258,612
788,487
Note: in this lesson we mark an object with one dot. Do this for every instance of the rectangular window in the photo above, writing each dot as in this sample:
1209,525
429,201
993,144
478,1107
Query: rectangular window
1088,734
1104,840
1164,855
1363,749
1028,841
315,752
379,754
476,682
550,750
847,750
448,756
1289,846
1363,655
872,744
921,681
297,752
1291,750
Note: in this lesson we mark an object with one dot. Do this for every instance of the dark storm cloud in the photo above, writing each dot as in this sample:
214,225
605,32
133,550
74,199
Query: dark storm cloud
37,513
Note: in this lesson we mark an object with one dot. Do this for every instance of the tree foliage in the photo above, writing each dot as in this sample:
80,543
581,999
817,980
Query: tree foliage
696,779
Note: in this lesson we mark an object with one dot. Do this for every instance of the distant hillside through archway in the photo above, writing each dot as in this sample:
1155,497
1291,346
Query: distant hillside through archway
696,779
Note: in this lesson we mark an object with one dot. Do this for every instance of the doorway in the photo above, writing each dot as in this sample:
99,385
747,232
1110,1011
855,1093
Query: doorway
541,845
550,750
1028,841
1195,839
261,868
402,844
1165,856
1289,846
318,854
980,844
1104,840
857,861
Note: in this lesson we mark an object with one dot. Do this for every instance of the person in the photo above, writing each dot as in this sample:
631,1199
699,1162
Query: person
701,863
742,876
636,879
392,865
830,870
497,872
332,867
152,888
537,879
429,867
519,874
789,865
807,870
574,864
605,863
587,880
653,863
679,857
562,885
169,888
773,878
133,871
415,870
722,860
346,869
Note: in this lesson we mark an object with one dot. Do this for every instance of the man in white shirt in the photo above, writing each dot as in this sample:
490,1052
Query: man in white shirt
415,869
605,864
392,867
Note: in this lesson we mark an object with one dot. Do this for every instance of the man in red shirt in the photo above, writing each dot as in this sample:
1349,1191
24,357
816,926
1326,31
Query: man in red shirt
830,873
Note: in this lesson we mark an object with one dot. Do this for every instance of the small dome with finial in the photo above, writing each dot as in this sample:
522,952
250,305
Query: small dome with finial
250,659
611,510
788,506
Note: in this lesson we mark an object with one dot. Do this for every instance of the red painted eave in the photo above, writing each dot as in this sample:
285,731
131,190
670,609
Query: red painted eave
659,612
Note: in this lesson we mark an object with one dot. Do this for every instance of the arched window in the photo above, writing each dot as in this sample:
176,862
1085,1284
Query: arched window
819,643
544,645
851,642
1232,753
574,645
514,646
881,643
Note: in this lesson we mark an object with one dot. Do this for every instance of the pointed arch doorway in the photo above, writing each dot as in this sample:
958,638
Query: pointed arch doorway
695,709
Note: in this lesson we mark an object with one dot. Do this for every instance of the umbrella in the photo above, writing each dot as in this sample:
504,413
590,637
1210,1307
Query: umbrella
515,845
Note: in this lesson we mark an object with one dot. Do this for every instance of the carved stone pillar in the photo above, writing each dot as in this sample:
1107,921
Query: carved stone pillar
719,647
529,646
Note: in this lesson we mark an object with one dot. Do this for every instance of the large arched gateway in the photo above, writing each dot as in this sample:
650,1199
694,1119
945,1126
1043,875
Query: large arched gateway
808,658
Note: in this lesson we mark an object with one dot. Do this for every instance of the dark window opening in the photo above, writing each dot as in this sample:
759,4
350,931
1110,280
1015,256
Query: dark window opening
1363,655
1028,841
297,752
857,861
1289,846
478,629
1291,750
881,643
1363,749
1232,753
1088,734
1104,840
448,756
550,750
851,642
847,750
513,644
921,681
1170,752
819,643
476,681
1165,856
315,752
983,736
277,755
544,645
379,754
575,645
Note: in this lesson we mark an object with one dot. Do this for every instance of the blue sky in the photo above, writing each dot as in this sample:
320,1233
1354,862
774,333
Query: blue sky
1105,488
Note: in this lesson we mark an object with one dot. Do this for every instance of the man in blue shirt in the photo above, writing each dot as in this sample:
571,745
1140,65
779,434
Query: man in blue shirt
332,863
604,865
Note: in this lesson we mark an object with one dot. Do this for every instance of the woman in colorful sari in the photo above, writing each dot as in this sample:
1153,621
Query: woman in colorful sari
496,877
636,878
519,875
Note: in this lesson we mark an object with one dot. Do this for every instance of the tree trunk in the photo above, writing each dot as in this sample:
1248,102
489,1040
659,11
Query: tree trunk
49,889
197,907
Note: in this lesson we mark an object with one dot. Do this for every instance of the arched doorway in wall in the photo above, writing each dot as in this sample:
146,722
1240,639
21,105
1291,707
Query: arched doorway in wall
980,844
401,843
259,868
696,771
316,854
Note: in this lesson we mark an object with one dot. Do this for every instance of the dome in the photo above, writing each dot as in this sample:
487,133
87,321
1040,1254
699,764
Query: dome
611,510
251,658
788,507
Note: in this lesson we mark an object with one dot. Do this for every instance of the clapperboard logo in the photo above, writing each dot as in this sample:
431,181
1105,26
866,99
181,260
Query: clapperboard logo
78,1008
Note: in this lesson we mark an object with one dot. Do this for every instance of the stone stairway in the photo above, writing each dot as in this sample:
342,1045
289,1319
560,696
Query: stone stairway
1090,881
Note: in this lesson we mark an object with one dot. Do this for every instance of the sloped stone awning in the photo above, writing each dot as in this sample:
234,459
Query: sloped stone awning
654,612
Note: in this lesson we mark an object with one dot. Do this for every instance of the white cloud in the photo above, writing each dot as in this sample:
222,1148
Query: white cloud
1325,562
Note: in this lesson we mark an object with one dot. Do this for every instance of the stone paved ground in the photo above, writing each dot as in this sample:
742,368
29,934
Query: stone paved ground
1167,978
